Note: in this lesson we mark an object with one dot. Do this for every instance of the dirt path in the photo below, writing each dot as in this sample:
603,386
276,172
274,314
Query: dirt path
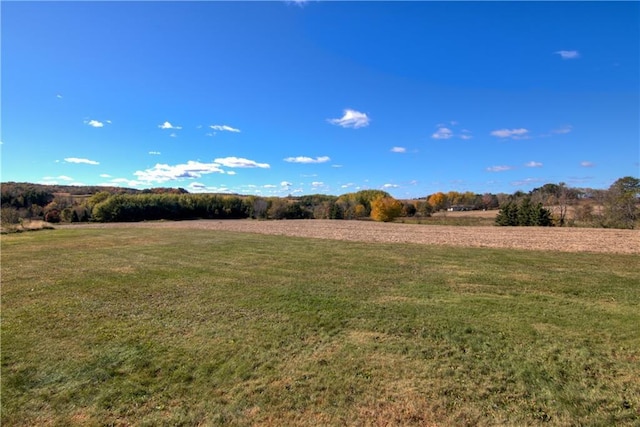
536,238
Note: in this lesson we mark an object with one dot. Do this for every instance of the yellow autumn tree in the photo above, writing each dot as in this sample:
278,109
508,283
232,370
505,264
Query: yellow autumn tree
385,209
437,200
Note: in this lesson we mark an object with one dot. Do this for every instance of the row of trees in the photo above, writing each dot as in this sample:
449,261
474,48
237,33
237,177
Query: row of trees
551,204
524,213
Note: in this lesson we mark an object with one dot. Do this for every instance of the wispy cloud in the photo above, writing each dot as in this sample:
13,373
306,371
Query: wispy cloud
168,125
238,162
351,119
58,96
520,133
442,133
526,181
317,184
563,129
499,168
94,123
224,128
533,164
154,153
105,175
587,164
303,159
398,150
390,186
80,160
568,54
191,169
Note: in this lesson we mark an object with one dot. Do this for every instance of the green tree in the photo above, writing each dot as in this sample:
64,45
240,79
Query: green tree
621,203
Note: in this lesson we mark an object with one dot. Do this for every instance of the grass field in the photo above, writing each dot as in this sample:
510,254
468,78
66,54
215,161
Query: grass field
144,326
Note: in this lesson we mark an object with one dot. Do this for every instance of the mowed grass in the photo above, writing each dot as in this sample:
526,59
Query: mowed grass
191,327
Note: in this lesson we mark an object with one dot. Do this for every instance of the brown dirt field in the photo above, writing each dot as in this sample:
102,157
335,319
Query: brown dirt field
532,238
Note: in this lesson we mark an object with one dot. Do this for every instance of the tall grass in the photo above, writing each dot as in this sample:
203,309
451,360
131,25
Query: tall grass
167,327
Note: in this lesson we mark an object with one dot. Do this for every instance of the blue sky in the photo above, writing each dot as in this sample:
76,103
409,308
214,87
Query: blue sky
278,98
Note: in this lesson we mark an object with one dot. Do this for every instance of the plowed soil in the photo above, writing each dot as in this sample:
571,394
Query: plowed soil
533,238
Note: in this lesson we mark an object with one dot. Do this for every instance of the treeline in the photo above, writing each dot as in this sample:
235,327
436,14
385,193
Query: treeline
551,204
56,204
560,205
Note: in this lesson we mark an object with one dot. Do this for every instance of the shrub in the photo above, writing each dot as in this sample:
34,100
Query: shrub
53,216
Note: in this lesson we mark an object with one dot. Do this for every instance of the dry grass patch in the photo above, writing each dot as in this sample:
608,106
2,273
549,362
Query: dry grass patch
595,240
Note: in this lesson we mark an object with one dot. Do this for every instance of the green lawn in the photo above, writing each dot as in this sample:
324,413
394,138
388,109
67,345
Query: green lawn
189,327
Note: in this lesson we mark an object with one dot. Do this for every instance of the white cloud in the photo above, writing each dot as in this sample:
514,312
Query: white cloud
351,119
126,182
191,169
398,150
79,160
347,185
55,178
499,168
285,184
237,162
317,184
533,164
59,96
224,128
198,187
390,186
154,153
167,125
563,129
231,172
303,159
270,186
94,123
173,134
520,133
587,164
442,133
568,54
